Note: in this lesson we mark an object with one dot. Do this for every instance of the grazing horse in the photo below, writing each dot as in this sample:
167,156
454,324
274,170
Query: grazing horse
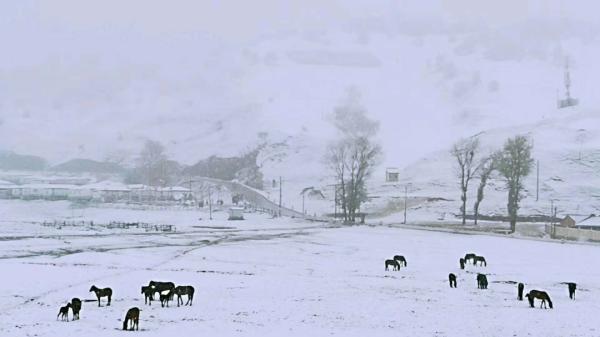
479,259
63,312
520,289
165,297
76,307
572,287
133,316
482,281
159,287
462,263
400,259
184,290
148,294
469,256
395,265
542,295
452,280
105,292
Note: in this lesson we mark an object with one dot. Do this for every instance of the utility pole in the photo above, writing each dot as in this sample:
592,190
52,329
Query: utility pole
210,202
335,201
405,199
280,196
537,188
303,209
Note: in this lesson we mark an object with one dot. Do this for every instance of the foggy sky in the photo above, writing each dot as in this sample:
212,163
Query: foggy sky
94,78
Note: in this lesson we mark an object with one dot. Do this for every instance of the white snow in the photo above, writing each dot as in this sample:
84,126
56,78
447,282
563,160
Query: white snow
279,277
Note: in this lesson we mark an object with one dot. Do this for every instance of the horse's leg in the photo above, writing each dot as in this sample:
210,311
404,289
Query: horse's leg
98,296
109,296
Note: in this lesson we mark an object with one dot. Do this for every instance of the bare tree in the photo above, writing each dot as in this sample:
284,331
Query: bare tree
514,164
464,153
153,164
353,156
485,169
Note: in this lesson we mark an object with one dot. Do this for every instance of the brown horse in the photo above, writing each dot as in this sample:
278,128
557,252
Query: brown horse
133,316
159,287
452,280
76,307
184,290
400,259
395,265
105,292
63,312
572,287
542,295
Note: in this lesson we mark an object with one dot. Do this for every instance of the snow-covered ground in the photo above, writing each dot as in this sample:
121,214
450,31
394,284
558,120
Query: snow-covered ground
280,277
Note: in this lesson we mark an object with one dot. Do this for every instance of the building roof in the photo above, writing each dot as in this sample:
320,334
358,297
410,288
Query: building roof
591,221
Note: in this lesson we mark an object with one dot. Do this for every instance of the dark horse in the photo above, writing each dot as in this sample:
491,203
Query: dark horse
165,297
105,292
462,263
469,256
63,312
133,316
393,263
184,290
159,287
542,295
520,289
479,259
482,281
400,259
452,280
572,287
76,307
148,294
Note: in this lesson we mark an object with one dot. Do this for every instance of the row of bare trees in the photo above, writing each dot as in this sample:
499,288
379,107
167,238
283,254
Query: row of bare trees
512,163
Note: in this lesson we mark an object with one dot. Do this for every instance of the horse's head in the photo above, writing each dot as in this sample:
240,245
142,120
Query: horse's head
93,288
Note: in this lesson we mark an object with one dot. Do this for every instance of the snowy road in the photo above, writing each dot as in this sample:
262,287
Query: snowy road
298,279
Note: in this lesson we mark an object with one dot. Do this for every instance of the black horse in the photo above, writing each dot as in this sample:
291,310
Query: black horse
462,263
452,280
148,294
105,292
479,259
76,307
520,288
159,287
132,316
482,281
184,290
469,256
572,287
400,259
542,295
395,265
63,312
165,297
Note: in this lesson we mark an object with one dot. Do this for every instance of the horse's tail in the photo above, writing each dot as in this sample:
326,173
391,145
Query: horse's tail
549,302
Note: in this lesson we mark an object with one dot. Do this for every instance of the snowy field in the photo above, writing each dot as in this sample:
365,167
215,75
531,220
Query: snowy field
282,277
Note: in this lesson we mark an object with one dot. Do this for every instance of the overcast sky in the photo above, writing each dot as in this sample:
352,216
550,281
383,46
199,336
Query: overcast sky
93,78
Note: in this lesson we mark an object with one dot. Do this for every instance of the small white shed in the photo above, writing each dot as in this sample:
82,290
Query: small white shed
236,213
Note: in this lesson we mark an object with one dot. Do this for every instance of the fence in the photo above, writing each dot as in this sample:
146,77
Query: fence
111,225
560,232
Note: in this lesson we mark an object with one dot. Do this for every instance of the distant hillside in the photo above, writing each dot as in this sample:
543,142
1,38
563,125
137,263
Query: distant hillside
13,161
80,165
243,169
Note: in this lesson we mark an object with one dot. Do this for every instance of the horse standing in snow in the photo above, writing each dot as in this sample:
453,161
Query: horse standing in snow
520,289
542,295
133,317
63,312
482,281
572,287
452,280
479,259
148,294
184,290
469,256
395,265
76,307
400,259
105,292
462,263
